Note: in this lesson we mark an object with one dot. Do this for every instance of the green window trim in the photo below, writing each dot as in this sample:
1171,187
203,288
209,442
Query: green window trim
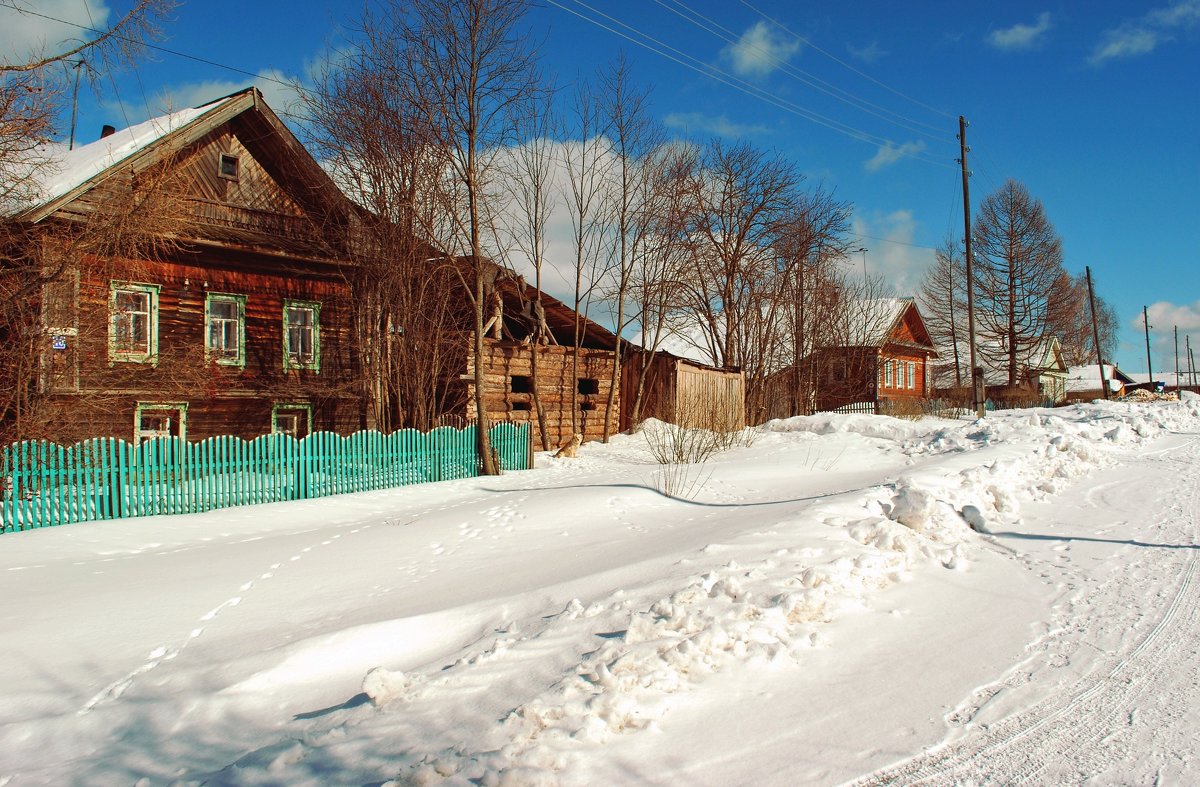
301,335
133,323
220,324
278,407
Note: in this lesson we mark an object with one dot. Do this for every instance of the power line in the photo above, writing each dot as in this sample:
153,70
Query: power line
844,64
806,77
719,75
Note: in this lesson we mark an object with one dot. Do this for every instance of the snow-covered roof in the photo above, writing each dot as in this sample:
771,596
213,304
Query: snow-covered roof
871,321
1044,357
66,170
1087,378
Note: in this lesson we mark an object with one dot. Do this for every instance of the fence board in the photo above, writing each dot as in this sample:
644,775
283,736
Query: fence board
43,484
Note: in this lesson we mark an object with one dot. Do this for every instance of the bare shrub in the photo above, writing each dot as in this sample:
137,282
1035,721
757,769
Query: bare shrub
705,426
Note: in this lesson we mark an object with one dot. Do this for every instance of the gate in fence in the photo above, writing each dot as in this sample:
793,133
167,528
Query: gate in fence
44,484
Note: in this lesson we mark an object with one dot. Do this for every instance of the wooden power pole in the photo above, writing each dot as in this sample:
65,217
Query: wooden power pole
1096,332
977,398
1149,368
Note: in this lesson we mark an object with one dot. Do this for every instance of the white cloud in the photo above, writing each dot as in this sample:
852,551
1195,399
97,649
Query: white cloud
868,54
890,153
1165,316
760,51
692,123
1022,36
23,35
279,97
1142,36
891,254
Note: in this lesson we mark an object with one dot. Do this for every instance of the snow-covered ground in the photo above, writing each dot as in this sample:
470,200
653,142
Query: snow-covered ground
818,612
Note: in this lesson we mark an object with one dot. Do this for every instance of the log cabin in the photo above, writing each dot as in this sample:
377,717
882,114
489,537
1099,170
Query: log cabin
531,358
230,316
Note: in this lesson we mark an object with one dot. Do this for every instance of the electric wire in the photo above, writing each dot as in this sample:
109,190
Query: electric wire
719,75
807,78
844,64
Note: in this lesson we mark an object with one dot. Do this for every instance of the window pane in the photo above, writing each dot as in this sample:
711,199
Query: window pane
223,309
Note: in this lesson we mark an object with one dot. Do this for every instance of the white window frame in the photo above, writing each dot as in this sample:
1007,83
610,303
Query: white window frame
277,411
147,352
140,434
296,360
217,355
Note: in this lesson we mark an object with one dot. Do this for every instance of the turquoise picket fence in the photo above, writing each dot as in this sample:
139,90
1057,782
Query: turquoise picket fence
44,484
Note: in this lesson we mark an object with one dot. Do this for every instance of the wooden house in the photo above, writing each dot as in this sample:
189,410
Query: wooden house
1042,374
1084,382
237,323
880,363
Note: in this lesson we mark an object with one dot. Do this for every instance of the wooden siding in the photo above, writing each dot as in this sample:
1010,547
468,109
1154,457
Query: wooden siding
681,392
222,400
558,388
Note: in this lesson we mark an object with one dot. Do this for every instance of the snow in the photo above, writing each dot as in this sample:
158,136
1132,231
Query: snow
67,169
849,598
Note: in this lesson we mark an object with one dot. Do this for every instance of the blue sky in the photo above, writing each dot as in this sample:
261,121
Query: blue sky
1095,107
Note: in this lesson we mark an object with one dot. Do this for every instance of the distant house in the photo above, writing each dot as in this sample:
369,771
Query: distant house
238,324
1041,378
1083,382
881,361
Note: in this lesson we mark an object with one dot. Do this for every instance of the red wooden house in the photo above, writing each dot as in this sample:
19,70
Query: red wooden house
239,323
880,362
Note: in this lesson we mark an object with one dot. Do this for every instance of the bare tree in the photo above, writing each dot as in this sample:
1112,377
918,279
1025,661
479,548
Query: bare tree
743,200
1071,322
529,184
471,73
364,124
586,162
943,298
1018,265
635,136
657,292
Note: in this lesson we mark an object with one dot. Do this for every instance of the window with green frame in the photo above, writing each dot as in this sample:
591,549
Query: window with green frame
133,322
301,335
225,329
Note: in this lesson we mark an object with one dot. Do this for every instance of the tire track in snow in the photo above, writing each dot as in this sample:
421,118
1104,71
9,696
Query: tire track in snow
1075,734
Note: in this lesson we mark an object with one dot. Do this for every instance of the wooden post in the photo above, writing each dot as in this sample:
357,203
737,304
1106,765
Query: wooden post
1149,368
976,373
1096,332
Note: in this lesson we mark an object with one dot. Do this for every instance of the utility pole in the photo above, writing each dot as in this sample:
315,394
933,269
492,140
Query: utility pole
977,397
1096,332
1149,369
1177,357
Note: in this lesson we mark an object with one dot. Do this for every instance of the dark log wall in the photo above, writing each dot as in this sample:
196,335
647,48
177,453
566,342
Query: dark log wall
221,399
506,363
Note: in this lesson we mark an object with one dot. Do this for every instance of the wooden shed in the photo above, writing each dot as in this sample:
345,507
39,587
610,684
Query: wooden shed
525,366
681,391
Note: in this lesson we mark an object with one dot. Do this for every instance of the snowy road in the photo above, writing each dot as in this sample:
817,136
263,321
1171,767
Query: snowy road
819,611
1111,693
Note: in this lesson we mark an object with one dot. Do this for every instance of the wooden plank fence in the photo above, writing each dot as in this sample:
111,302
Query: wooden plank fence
44,484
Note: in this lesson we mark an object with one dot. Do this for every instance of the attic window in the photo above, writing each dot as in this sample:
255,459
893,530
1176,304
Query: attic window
520,384
589,386
229,166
